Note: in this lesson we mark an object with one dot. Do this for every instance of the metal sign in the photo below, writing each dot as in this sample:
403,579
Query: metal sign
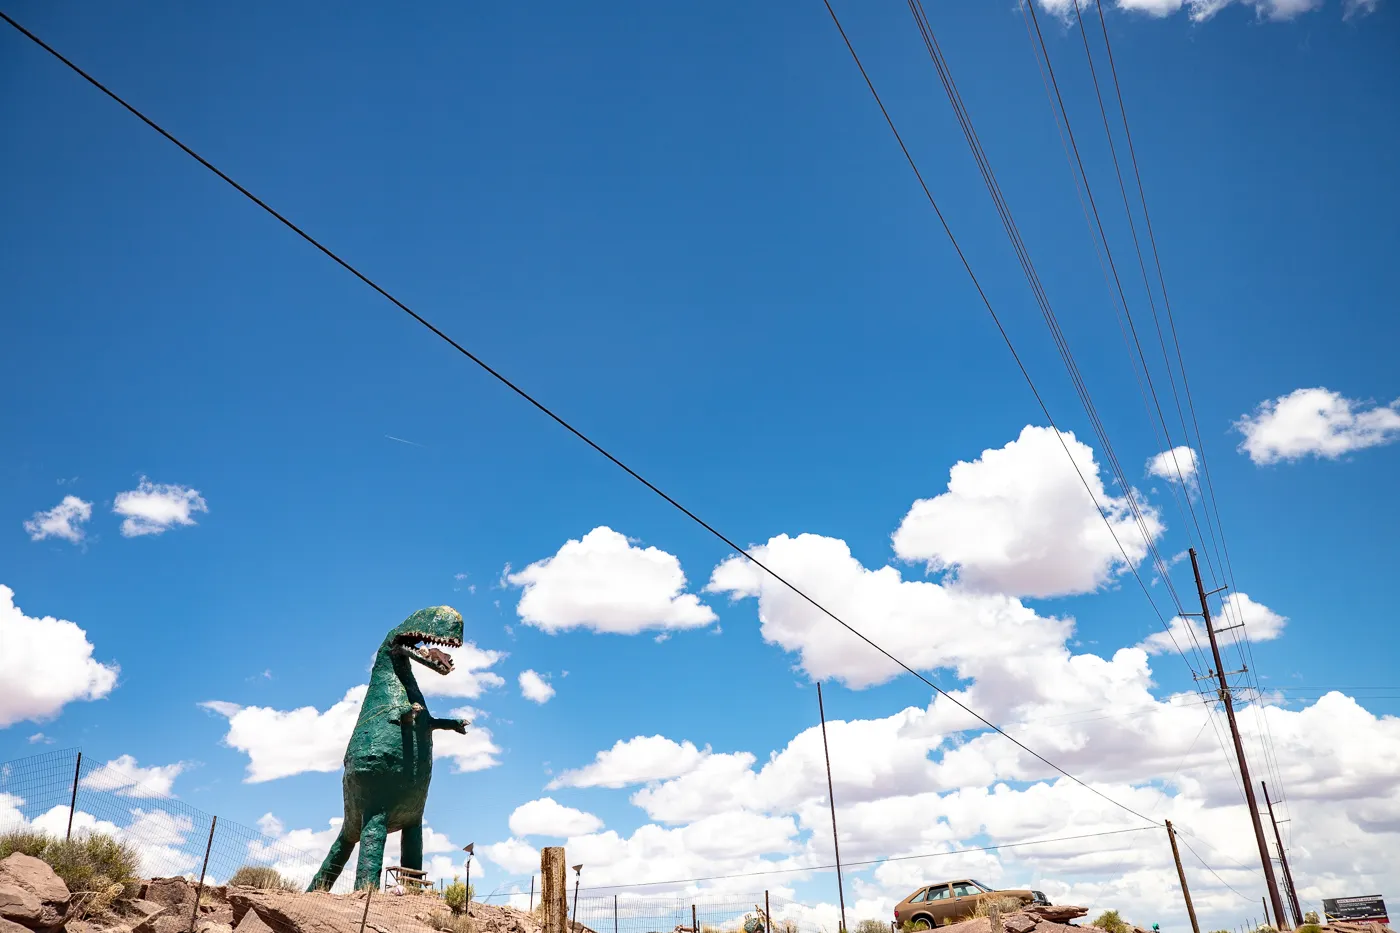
1370,907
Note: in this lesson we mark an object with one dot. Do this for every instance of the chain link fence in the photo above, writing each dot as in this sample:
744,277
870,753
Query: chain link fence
64,794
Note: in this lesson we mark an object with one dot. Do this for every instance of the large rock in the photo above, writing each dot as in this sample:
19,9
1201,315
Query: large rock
1018,922
19,906
9,926
1058,913
169,892
36,877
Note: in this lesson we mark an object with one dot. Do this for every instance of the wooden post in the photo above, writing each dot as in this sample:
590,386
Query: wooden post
553,896
694,924
1181,874
194,914
73,802
831,796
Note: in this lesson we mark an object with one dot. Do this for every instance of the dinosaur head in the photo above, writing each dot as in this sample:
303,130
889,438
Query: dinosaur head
440,625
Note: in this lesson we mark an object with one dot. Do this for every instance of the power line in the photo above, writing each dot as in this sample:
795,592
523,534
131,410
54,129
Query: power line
558,419
876,861
1213,871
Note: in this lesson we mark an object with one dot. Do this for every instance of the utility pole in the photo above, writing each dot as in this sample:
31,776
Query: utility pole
1297,912
1181,873
831,795
1229,702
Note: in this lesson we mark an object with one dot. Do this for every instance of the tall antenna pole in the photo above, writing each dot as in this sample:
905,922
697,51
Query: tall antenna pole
1229,702
831,796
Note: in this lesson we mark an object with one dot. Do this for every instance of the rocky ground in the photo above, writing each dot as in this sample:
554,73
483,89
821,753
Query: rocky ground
35,900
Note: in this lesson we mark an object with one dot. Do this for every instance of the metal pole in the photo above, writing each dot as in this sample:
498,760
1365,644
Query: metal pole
831,796
369,892
1229,702
194,914
614,913
767,914
73,802
469,878
532,893
1181,873
1265,901
578,876
1296,910
694,923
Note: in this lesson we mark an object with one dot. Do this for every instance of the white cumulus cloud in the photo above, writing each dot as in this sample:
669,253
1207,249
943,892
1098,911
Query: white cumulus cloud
547,817
638,760
469,678
1202,10
1316,422
1260,624
45,664
64,520
1177,465
280,743
1019,521
604,583
124,777
535,688
154,508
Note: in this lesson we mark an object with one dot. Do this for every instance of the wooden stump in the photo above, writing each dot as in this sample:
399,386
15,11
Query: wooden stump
554,898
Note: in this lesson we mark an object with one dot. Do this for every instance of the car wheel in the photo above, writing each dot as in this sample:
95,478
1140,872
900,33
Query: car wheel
921,923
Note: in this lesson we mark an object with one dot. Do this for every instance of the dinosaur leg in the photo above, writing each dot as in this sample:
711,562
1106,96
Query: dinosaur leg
371,861
411,846
334,863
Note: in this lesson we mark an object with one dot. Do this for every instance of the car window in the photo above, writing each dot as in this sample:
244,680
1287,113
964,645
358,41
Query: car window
964,890
983,887
938,893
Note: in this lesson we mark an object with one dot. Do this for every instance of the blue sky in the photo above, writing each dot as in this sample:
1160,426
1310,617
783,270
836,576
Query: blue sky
688,229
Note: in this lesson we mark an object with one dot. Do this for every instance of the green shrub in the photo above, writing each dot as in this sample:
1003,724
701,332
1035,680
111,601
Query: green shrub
262,876
1309,928
1312,918
99,868
1112,923
457,895
28,841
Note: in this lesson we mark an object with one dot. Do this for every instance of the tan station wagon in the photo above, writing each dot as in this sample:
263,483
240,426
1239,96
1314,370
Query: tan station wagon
950,901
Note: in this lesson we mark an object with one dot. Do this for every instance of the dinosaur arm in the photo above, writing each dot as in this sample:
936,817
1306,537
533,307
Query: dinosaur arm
456,725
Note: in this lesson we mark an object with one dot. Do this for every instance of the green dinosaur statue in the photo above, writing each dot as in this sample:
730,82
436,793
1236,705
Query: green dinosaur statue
389,761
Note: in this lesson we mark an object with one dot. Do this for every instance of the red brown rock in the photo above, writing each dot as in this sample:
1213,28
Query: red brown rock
33,875
20,906
1018,922
1058,913
169,892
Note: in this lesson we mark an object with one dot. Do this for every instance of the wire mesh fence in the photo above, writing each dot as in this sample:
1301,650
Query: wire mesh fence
730,913
63,795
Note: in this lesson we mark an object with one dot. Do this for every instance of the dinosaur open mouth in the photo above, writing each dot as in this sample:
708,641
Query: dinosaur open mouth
440,661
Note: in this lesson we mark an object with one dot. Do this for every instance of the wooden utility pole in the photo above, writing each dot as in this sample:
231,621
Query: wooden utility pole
1181,873
1296,913
831,796
1229,702
554,879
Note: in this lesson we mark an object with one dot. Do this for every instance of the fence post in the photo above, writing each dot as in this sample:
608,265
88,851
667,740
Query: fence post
369,893
194,914
553,895
532,893
73,802
767,914
614,913
694,924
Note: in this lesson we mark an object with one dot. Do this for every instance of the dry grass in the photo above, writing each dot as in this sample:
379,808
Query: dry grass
450,922
871,926
262,876
1005,905
99,869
